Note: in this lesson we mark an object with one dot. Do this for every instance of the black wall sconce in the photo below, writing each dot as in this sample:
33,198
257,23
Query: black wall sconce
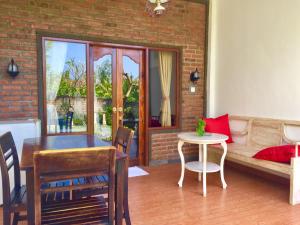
13,69
195,75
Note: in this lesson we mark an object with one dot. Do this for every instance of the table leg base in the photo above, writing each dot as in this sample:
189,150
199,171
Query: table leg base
180,183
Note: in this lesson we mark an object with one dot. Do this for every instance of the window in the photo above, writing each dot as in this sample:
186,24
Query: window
163,94
66,87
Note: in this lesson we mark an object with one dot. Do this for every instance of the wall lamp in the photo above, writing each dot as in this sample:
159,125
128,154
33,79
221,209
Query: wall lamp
195,75
13,69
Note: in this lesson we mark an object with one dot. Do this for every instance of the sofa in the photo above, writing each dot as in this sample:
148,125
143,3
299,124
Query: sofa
251,134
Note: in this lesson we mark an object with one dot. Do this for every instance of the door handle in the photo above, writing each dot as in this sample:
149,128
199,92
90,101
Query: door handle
114,109
120,109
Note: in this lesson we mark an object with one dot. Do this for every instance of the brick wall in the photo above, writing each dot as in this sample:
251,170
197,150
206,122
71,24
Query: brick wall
125,20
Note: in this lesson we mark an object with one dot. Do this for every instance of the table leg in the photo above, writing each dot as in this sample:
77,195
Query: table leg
224,145
180,144
200,160
30,195
119,191
204,168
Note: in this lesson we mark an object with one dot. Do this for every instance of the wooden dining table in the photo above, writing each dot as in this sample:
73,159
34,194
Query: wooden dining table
68,142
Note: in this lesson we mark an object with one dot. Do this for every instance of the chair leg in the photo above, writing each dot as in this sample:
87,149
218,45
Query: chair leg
125,203
6,217
16,218
126,212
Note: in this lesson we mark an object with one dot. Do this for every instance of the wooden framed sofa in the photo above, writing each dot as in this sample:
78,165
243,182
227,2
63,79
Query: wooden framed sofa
251,134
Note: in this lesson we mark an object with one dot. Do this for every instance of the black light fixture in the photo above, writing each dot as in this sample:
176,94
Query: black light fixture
195,75
12,69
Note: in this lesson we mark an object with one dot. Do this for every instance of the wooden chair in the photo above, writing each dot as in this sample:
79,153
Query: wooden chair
69,119
74,164
122,142
14,202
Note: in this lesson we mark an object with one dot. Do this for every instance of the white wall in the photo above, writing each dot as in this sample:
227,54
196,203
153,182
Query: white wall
254,58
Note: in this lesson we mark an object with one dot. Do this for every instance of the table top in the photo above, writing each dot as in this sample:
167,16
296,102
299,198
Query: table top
208,138
31,145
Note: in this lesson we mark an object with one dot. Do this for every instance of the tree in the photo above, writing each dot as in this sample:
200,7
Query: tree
73,82
103,80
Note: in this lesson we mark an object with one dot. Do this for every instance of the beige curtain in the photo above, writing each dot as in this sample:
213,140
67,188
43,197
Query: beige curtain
165,65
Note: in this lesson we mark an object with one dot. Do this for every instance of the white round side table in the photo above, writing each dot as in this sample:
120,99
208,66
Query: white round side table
202,166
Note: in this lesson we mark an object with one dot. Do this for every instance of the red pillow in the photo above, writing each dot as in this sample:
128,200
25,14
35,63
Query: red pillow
219,125
282,154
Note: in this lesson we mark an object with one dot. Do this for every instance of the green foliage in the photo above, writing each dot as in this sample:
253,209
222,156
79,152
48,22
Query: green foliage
130,88
64,108
73,84
200,130
109,139
108,111
79,120
103,82
73,80
103,90
130,99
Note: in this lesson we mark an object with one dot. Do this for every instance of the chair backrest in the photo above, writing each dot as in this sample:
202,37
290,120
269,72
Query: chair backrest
9,159
58,165
69,119
123,139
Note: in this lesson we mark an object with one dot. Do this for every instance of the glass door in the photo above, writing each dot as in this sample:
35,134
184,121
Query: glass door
118,95
104,75
132,100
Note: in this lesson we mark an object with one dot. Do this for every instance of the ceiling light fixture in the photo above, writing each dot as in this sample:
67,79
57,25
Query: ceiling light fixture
160,7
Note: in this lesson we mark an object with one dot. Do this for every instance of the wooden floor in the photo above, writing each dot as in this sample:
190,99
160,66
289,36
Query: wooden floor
157,200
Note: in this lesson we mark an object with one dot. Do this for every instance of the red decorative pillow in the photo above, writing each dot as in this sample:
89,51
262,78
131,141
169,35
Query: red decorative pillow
219,125
281,154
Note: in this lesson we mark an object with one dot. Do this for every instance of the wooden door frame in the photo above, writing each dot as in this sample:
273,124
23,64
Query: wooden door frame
142,77
44,101
117,100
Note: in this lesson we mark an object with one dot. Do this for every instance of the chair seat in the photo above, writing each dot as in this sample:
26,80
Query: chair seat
91,210
19,199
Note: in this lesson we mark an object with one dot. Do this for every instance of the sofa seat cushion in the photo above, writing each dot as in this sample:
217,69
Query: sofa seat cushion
240,149
243,154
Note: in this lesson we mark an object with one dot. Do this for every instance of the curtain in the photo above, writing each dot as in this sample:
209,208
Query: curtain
56,53
165,66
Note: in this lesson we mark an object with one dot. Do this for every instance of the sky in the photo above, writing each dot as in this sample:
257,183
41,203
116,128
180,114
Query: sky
63,51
